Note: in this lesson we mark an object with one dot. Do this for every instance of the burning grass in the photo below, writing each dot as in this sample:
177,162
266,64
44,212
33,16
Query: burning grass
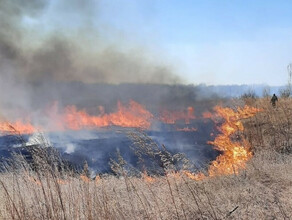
257,187
132,116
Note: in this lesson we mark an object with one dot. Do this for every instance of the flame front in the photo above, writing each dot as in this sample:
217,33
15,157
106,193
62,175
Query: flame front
235,154
70,118
17,127
134,116
196,176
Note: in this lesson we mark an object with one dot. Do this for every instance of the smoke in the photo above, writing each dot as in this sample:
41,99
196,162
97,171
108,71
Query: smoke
11,14
78,53
45,44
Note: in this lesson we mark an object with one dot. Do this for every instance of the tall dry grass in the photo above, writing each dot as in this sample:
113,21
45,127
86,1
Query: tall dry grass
47,189
271,128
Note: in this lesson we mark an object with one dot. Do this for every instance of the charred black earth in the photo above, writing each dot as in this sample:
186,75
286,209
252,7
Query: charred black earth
97,147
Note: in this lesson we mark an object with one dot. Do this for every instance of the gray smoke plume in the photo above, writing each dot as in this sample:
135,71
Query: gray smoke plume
36,60
68,55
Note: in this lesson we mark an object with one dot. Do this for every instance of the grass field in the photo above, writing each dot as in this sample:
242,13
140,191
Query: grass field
263,190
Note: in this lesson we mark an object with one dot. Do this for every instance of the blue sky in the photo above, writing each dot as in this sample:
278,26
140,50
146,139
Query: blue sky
207,41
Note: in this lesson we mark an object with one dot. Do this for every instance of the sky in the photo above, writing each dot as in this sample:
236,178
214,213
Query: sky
216,42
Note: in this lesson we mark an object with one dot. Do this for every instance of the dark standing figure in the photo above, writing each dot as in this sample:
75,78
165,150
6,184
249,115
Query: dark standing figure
274,99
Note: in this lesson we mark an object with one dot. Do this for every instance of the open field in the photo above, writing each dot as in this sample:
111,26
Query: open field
261,191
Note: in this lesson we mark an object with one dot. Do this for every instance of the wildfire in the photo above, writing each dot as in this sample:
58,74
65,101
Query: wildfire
235,154
197,176
207,114
134,115
17,127
235,150
170,117
147,178
84,178
62,182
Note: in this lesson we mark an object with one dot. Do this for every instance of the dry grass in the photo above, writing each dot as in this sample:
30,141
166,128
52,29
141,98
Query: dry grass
271,128
262,191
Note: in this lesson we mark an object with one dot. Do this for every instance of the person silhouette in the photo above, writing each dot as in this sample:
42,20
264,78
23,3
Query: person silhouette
274,99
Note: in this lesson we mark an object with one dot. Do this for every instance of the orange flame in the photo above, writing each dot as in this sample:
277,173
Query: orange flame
134,115
170,117
17,127
207,114
62,182
197,176
147,178
84,178
234,154
37,181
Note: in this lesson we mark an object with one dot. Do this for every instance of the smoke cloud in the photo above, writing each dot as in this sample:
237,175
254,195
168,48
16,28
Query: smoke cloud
78,53
37,56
